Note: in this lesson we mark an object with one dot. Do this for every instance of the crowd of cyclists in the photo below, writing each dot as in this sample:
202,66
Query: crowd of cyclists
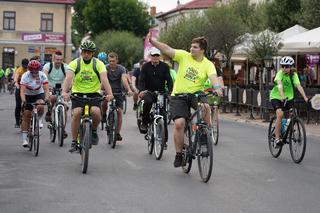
88,76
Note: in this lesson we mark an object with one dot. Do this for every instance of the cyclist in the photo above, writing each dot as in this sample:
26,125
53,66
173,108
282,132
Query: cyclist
85,73
102,56
2,80
154,76
194,70
34,88
9,76
56,73
17,78
117,78
283,91
135,82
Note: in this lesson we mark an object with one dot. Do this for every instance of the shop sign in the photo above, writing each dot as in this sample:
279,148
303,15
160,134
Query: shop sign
32,37
59,38
50,38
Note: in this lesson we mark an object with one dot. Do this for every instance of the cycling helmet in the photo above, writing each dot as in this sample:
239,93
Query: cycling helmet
25,63
103,57
88,45
287,60
34,66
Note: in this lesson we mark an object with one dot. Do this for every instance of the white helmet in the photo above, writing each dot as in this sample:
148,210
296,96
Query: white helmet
287,60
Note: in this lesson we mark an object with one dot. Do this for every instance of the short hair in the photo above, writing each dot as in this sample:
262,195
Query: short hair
203,44
141,62
58,52
36,57
113,55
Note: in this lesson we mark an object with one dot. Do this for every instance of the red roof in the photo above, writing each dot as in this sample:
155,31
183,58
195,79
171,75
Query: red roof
47,1
193,5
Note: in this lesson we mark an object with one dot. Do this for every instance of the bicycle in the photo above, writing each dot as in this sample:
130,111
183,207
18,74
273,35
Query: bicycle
11,86
57,123
214,101
295,127
112,122
34,129
156,129
169,117
125,103
85,133
197,140
139,113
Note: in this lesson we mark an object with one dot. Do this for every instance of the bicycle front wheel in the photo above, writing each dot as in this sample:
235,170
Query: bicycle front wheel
215,125
297,140
205,154
124,105
52,128
187,155
85,146
159,139
112,128
274,150
60,126
36,135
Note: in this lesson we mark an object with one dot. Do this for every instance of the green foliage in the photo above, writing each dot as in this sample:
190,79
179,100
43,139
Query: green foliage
224,29
180,34
78,22
282,14
310,14
128,47
262,44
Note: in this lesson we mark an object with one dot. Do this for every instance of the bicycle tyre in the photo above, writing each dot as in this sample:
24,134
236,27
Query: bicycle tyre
169,117
293,142
150,139
85,146
114,129
52,129
159,140
205,152
215,125
61,127
30,136
275,152
187,155
124,105
36,136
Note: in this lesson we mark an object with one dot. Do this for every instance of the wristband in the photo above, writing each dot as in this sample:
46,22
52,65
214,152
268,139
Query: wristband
216,86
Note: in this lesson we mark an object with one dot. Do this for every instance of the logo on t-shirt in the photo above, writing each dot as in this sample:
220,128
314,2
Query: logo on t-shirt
191,74
86,76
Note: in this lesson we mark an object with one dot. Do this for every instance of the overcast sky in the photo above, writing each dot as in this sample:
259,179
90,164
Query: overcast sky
164,5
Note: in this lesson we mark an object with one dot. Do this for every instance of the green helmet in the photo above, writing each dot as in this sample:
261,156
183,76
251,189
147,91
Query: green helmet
88,45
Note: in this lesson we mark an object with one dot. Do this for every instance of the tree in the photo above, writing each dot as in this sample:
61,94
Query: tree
79,27
181,34
128,47
129,15
310,14
282,14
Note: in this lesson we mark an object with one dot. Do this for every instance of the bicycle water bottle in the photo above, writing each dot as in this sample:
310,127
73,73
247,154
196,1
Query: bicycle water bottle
283,126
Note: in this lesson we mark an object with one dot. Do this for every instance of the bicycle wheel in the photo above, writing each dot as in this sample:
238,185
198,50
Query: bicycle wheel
205,154
85,146
215,125
124,105
297,140
30,136
36,135
114,127
52,128
150,139
60,126
168,113
159,139
274,150
187,155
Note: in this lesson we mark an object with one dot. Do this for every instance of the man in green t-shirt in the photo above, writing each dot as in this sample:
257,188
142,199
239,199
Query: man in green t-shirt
282,94
2,80
85,74
194,70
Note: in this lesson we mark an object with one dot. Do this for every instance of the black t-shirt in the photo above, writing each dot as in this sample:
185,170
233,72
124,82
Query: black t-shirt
114,77
136,73
154,77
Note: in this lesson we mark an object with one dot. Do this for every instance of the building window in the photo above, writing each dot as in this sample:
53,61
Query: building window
9,20
46,22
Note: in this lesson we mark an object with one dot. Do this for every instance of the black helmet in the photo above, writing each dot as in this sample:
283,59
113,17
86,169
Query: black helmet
25,63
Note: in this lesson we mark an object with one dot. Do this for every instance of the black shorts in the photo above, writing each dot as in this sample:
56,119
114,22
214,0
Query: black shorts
277,104
180,105
33,99
119,101
78,103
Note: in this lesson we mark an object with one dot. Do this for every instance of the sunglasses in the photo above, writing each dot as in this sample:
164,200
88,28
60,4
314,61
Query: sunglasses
287,66
155,55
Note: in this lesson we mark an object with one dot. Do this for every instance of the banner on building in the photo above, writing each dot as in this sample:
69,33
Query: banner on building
50,38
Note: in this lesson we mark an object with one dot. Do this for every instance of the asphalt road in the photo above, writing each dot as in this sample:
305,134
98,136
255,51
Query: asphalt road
127,179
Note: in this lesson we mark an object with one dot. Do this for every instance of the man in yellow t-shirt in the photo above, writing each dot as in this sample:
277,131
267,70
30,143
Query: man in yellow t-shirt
85,74
194,70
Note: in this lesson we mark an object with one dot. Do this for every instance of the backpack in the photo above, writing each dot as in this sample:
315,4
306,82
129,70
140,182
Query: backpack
62,68
94,61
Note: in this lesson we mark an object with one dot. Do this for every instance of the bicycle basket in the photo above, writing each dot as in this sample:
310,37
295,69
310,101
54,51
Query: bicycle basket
214,100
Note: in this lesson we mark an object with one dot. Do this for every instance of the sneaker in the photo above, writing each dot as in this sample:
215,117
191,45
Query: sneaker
143,128
40,124
277,143
178,160
119,138
65,135
25,144
48,117
95,138
74,147
17,126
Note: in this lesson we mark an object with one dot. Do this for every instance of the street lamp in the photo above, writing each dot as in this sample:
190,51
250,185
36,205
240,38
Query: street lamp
268,60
